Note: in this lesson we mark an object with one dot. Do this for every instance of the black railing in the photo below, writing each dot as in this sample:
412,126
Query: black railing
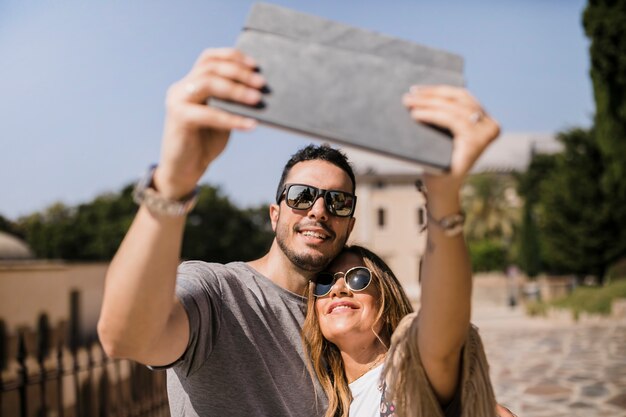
59,373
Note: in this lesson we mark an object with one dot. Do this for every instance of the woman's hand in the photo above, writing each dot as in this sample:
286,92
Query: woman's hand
454,109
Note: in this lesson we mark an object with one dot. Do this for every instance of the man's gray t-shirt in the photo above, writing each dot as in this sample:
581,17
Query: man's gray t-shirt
245,355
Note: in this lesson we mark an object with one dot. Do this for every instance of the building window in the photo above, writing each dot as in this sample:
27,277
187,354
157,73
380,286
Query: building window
421,216
381,217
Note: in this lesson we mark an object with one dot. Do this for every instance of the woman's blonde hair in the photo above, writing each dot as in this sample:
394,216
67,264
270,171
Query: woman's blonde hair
326,362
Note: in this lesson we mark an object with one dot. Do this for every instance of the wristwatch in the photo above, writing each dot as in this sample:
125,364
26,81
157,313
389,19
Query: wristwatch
452,225
145,194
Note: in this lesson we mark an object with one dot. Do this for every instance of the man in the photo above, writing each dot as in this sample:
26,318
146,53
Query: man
230,333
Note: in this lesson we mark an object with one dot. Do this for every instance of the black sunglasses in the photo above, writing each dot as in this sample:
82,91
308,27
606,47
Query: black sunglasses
357,279
302,197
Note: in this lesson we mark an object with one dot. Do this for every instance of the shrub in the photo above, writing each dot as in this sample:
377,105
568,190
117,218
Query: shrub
594,300
537,309
487,255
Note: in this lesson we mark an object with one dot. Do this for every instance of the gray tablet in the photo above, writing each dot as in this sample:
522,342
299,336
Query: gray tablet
344,84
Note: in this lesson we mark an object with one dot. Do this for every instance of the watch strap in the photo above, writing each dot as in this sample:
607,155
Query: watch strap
147,195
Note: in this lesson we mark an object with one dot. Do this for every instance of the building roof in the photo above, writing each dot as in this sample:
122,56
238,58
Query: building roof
370,163
513,151
12,248
510,152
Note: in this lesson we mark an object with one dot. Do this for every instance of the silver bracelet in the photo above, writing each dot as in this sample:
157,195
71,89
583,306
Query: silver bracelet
452,224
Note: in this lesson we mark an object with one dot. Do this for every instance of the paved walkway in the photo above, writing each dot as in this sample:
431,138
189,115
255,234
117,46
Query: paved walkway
554,367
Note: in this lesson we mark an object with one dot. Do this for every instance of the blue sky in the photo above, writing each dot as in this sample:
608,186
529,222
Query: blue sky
82,83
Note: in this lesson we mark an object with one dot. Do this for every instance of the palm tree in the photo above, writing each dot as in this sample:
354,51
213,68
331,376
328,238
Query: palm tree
492,207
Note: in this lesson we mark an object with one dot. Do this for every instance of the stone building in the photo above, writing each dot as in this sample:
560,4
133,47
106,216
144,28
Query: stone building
30,287
391,213
13,248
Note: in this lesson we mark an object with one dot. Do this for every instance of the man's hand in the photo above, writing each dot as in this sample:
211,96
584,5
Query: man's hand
195,134
455,109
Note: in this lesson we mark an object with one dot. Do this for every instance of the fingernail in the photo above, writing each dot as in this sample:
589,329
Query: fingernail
406,99
249,61
416,88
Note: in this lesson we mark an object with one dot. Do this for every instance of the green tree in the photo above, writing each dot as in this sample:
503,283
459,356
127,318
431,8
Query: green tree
487,255
9,227
578,229
567,227
491,207
100,225
604,22
530,256
218,231
88,232
492,219
49,233
579,202
263,235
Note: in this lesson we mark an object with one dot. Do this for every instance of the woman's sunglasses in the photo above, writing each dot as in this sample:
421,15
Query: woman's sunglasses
357,279
302,197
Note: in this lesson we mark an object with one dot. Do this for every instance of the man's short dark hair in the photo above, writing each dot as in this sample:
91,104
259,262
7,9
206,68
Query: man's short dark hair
314,152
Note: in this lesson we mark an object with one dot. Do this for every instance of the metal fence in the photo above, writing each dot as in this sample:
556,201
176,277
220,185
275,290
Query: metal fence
46,372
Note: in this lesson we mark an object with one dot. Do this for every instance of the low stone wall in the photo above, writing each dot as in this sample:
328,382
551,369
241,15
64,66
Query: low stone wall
618,308
496,288
28,289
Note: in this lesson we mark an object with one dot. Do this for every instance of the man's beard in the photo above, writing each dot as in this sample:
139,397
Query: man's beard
304,261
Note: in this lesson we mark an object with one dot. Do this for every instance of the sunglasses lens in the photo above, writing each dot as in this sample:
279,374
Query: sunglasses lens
358,278
323,283
300,197
340,203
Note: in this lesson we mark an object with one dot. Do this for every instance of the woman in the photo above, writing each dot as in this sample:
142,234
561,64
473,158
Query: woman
353,323
360,318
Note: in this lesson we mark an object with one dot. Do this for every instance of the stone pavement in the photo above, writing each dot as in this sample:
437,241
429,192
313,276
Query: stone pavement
554,367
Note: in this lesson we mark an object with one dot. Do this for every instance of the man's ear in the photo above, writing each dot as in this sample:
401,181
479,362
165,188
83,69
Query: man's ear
274,215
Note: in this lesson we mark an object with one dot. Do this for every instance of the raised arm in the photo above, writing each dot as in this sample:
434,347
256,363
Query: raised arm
141,318
446,271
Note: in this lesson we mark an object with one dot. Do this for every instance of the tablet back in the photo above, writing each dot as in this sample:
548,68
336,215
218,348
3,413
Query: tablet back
344,84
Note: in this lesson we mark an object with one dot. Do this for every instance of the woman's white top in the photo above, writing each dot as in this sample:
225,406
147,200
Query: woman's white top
366,394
